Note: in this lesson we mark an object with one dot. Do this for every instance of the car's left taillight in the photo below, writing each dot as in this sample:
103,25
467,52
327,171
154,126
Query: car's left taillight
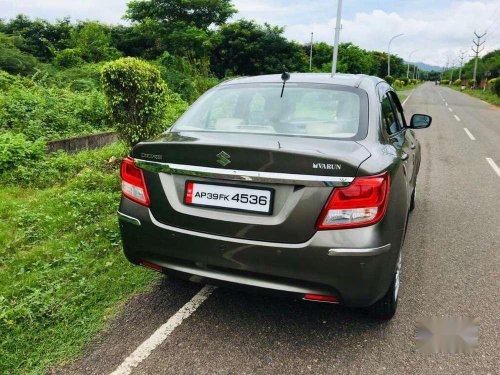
133,184
360,204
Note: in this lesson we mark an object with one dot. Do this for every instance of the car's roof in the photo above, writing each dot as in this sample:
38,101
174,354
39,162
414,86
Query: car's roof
353,80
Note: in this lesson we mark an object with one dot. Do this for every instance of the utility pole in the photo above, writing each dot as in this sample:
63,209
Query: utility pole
408,68
445,70
337,37
389,53
311,54
462,57
477,49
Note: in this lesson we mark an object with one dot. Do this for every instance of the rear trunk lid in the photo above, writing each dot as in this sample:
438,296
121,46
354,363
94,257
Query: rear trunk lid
297,204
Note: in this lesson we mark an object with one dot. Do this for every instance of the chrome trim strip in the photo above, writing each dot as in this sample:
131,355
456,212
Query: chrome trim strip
228,239
129,219
239,175
359,252
239,279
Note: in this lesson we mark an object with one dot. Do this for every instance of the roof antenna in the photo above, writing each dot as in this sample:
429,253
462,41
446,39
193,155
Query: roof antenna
285,77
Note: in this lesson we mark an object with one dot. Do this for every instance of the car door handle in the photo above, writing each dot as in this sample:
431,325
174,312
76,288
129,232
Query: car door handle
405,156
412,146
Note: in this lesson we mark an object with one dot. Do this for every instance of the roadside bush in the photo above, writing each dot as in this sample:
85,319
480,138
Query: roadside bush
389,79
6,80
84,77
398,84
405,81
176,107
457,82
445,81
496,86
16,151
136,98
61,167
472,82
68,58
190,78
50,112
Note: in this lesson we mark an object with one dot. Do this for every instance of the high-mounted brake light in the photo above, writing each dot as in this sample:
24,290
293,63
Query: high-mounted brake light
133,184
360,204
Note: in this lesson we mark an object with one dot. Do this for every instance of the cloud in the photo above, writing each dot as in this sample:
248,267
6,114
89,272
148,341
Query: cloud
109,11
437,31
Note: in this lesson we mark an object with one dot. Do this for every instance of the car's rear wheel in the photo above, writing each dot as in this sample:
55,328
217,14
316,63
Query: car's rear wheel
386,307
413,197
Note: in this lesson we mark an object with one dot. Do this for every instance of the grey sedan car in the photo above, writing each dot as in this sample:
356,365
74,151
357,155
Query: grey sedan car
300,184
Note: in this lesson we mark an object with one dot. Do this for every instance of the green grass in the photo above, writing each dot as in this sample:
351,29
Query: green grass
62,271
487,95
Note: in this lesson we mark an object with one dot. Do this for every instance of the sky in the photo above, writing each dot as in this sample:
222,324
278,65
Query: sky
437,30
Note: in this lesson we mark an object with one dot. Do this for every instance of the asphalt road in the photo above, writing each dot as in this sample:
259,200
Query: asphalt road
450,267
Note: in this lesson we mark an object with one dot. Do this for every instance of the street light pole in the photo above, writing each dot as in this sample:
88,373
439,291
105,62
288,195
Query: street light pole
389,53
337,37
409,58
311,54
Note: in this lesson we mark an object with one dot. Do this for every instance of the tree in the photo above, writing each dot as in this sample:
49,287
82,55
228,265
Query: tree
41,38
12,59
398,67
322,56
351,59
180,26
136,98
93,41
246,48
131,41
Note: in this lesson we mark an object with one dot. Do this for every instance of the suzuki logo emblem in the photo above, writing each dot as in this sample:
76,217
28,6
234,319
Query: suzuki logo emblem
223,158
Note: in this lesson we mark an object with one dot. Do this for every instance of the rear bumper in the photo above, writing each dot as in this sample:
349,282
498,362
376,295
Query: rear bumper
354,265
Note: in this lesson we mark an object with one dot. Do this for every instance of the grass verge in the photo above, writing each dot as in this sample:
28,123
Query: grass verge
487,95
62,272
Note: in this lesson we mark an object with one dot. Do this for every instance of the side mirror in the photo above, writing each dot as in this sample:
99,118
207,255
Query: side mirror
420,121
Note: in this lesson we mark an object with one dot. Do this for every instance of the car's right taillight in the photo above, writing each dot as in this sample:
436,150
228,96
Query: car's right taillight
360,204
133,184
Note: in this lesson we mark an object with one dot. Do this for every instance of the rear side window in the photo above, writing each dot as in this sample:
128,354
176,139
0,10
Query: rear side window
398,109
389,118
315,110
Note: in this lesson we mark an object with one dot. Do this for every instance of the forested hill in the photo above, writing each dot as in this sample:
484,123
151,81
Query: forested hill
196,32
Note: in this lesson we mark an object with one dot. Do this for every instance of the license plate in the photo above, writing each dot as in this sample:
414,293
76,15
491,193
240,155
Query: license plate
229,197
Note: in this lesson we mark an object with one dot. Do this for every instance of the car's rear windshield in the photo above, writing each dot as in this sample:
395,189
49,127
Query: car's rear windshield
315,110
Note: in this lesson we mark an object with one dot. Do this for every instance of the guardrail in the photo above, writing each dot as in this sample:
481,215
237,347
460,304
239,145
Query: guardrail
86,142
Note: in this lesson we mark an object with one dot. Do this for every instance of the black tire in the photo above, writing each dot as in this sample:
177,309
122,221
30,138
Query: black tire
385,308
412,200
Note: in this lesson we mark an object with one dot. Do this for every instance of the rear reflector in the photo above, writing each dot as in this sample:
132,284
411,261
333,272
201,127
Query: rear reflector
320,298
360,204
133,184
151,266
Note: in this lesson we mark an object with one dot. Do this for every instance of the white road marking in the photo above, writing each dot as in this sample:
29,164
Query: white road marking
147,347
446,104
457,118
493,165
408,97
449,109
469,134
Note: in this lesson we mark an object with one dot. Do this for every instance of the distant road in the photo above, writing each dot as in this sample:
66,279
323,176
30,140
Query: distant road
451,264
